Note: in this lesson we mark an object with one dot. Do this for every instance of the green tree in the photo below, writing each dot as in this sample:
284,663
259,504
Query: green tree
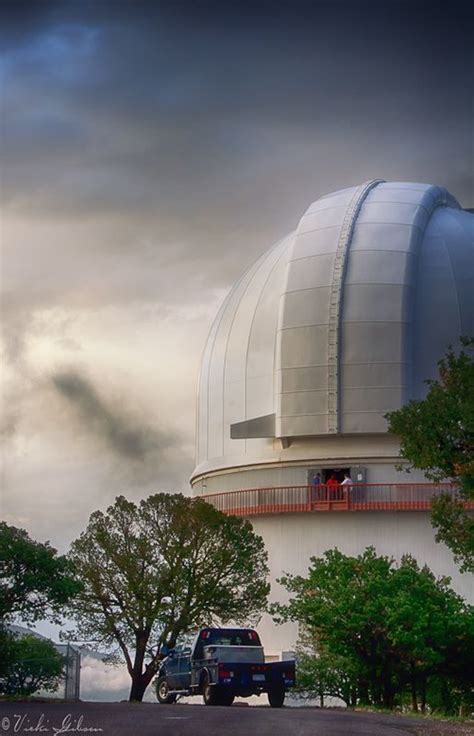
455,527
34,581
153,571
321,673
432,630
29,664
7,651
393,629
437,436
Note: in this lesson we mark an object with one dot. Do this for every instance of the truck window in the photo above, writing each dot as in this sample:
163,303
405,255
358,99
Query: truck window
226,637
232,637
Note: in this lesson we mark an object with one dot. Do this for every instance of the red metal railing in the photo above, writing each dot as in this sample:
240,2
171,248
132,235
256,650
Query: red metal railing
358,497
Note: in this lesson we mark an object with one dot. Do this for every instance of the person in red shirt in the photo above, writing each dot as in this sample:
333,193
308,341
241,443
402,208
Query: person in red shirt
332,485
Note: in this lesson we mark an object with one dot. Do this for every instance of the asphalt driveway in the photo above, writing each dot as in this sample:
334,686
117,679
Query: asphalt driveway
148,719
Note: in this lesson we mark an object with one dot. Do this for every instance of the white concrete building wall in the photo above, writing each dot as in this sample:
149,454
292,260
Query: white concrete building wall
291,539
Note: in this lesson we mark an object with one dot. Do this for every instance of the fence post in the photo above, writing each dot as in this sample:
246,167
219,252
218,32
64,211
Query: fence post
66,679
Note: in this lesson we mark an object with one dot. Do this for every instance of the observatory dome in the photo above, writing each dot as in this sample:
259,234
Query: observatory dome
335,325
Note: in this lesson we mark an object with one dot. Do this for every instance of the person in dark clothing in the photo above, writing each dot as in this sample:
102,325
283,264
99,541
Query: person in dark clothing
316,487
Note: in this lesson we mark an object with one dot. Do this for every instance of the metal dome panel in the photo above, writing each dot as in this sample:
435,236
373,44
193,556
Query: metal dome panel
338,323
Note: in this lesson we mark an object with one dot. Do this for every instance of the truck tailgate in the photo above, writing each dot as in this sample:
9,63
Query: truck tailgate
242,674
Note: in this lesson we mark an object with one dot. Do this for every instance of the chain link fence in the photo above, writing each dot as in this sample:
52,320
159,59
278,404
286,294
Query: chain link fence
72,670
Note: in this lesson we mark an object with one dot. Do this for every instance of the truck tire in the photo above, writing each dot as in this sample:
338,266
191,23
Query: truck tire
226,698
163,692
276,697
210,693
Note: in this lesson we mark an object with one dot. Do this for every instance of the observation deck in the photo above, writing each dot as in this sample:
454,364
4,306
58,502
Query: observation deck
315,499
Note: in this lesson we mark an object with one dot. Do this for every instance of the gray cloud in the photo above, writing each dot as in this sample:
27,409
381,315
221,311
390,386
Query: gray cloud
123,435
134,110
151,146
203,130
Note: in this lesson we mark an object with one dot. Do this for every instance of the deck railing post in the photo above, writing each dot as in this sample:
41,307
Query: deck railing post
359,497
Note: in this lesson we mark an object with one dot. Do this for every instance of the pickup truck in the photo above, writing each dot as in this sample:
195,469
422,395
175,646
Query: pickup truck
221,664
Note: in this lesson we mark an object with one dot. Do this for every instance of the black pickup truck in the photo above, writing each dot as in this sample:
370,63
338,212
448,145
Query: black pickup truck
221,664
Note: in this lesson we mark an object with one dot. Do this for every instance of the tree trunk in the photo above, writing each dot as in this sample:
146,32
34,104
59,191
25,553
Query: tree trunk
388,696
414,701
353,697
137,690
140,679
387,689
446,698
423,695
364,692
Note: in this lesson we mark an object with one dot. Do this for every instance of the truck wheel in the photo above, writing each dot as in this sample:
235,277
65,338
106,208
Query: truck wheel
163,692
226,698
276,697
210,693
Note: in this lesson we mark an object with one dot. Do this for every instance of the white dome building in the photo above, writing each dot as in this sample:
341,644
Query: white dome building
335,325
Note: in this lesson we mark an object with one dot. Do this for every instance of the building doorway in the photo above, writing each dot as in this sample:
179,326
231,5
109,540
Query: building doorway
337,473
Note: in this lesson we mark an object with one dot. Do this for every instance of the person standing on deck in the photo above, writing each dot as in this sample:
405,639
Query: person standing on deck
346,484
316,487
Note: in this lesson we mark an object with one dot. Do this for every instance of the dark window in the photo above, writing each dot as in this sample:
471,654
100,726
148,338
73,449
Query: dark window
231,637
337,472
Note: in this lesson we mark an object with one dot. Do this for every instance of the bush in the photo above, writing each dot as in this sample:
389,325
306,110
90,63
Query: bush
28,664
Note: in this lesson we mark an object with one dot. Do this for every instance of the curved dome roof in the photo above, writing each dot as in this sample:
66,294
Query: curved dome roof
339,322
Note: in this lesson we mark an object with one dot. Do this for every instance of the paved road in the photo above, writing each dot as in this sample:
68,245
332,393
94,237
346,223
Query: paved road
124,719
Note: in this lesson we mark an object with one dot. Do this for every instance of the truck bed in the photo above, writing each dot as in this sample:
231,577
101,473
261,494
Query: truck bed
234,654
245,677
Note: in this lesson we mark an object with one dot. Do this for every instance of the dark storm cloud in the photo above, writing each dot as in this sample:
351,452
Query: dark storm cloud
200,131
124,436
138,103
154,149
178,140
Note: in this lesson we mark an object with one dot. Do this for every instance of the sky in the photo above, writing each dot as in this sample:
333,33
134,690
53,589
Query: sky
151,152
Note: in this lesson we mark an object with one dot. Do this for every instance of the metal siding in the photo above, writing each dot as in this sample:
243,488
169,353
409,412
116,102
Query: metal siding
202,423
397,238
376,302
306,307
304,424
373,342
260,365
375,375
235,361
304,315
396,212
310,272
405,293
444,307
310,317
386,337
216,427
304,402
380,267
301,379
304,346
315,243
458,230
